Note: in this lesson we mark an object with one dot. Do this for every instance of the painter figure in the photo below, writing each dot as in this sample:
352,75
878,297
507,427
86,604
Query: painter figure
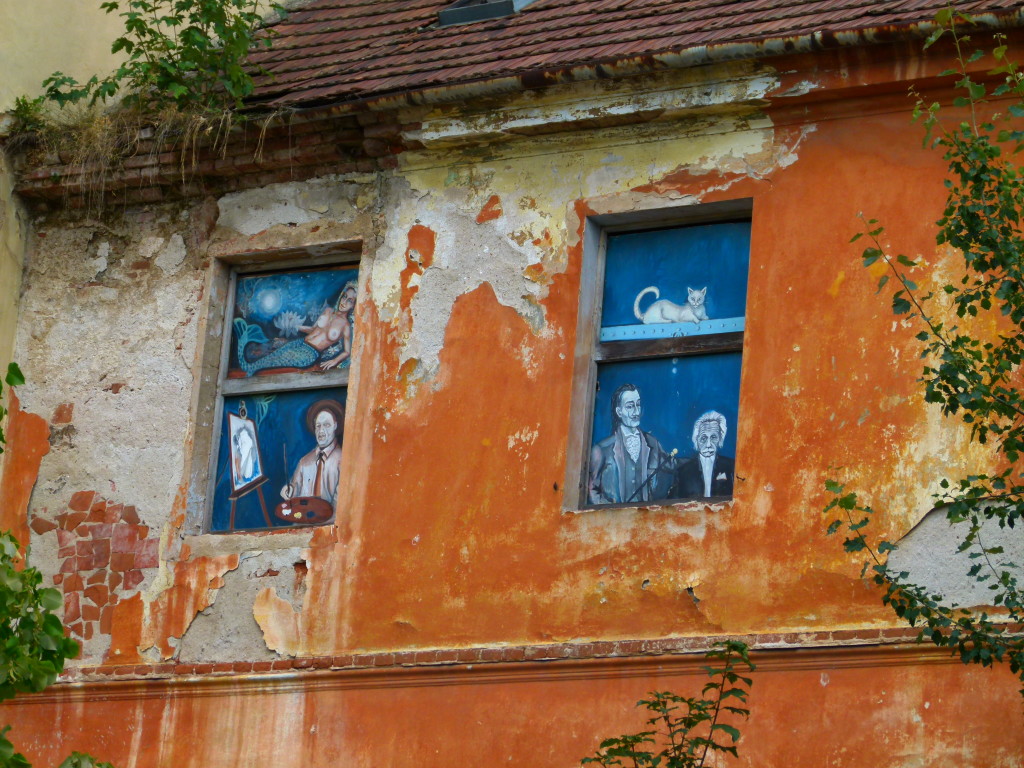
629,465
709,473
317,473
325,344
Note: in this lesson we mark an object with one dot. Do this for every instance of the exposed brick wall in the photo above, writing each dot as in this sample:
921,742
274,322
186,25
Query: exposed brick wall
291,148
104,551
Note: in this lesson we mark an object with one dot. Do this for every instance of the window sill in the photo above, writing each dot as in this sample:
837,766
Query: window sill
240,542
682,505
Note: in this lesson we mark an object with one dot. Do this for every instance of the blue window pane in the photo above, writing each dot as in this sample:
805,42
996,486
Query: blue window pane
289,322
673,394
712,258
269,468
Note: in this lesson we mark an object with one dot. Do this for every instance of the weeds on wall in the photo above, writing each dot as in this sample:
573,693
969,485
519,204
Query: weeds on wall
183,81
971,376
33,647
185,54
687,731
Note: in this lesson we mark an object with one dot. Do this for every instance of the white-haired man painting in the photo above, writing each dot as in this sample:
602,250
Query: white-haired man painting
709,473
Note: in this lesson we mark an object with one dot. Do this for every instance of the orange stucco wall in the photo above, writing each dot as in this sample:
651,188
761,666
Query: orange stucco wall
451,532
805,712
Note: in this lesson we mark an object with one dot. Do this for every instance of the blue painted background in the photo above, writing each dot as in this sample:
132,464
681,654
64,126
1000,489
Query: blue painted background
674,392
712,255
281,424
260,298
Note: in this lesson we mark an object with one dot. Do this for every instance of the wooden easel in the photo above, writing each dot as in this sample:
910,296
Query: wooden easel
253,486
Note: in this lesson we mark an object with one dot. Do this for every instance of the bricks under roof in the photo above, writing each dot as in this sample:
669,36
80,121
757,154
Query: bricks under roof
335,51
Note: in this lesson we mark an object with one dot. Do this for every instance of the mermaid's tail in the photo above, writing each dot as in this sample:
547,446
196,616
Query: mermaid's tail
294,354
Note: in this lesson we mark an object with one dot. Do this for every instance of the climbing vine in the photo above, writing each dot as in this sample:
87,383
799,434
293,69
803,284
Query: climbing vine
969,371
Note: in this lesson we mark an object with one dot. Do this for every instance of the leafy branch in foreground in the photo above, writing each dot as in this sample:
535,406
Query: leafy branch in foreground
970,371
686,730
185,54
33,647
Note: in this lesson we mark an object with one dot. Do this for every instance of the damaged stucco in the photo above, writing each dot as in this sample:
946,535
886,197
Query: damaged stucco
452,528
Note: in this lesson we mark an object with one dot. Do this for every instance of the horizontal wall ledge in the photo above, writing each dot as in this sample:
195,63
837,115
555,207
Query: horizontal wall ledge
488,666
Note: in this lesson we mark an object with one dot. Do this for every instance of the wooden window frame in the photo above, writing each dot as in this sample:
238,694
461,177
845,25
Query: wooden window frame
590,351
215,380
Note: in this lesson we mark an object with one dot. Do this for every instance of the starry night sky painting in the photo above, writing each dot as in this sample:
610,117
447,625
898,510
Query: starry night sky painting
292,321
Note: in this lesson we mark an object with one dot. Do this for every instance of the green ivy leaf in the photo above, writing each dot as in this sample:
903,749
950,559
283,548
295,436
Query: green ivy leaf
14,377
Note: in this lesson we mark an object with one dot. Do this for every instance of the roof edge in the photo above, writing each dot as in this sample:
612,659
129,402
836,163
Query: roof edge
620,67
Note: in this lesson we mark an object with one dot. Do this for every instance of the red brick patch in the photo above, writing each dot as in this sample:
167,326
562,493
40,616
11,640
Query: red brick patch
130,516
104,551
81,501
72,608
73,519
73,583
41,525
132,579
98,594
63,413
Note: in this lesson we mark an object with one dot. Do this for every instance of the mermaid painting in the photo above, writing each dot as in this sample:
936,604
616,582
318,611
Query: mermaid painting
325,344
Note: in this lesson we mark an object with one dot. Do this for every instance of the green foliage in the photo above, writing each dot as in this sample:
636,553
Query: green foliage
13,378
685,730
80,760
182,54
973,376
28,114
33,647
32,643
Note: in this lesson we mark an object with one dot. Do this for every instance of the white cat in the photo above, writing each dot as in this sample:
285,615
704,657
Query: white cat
664,311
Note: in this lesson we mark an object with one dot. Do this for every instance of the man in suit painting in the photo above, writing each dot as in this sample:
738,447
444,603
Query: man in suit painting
709,473
628,466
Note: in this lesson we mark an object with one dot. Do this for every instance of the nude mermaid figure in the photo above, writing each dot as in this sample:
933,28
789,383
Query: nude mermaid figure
331,327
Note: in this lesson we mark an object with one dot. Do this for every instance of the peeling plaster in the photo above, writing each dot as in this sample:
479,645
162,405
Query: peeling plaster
930,554
226,630
107,352
516,251
255,210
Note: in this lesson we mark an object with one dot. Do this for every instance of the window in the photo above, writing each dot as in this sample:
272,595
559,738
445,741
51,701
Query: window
664,325
282,391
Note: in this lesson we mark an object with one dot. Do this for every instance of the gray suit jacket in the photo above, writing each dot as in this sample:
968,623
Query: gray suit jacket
608,483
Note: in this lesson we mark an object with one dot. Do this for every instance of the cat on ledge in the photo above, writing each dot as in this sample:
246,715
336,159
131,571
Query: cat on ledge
665,311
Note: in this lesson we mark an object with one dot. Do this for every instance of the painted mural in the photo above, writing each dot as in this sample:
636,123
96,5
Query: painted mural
290,473
694,273
293,321
246,465
660,425
664,427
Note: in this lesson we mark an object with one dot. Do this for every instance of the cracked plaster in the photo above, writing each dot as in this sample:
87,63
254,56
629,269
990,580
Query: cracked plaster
227,630
289,204
533,228
107,352
929,554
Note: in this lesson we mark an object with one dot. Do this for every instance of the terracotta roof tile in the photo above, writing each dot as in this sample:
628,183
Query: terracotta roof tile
331,51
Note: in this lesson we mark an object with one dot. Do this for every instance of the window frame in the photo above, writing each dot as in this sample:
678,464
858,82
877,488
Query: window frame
590,351
343,254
